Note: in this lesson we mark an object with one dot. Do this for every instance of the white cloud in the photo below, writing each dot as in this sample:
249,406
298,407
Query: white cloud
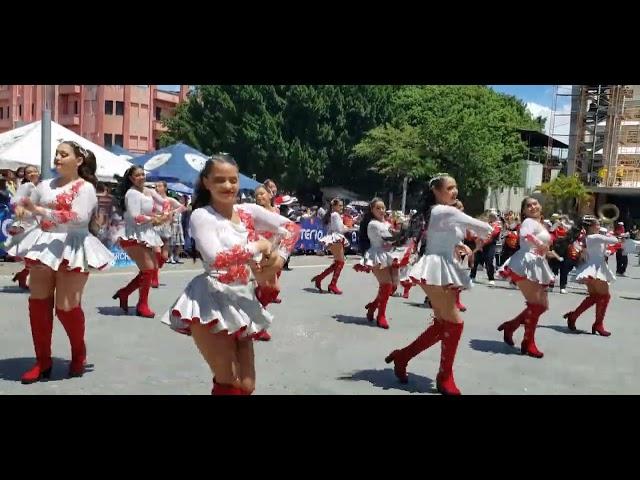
558,126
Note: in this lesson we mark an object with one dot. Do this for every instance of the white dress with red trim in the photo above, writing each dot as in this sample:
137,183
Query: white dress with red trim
439,265
138,217
526,263
223,297
406,257
335,232
380,253
167,205
28,221
61,237
594,265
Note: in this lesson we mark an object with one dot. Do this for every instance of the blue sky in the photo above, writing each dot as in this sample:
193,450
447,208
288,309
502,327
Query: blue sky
540,94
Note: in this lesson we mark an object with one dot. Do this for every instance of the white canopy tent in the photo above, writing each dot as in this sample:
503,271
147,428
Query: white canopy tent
22,147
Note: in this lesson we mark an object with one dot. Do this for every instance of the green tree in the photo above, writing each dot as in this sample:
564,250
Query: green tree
301,134
565,192
397,153
472,132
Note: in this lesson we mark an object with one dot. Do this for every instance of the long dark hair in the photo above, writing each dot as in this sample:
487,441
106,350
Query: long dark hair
420,221
124,185
364,243
523,206
327,216
201,195
87,169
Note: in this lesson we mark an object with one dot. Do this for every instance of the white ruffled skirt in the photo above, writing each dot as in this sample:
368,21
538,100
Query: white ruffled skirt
525,264
438,270
334,238
599,271
144,234
223,308
76,250
164,231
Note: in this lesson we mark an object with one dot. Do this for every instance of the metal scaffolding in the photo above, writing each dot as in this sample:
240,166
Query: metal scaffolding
604,136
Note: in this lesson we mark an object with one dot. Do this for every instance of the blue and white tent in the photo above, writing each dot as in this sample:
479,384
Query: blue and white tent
180,163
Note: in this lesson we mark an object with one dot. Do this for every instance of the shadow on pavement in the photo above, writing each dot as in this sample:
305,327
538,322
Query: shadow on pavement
493,346
387,380
13,289
115,311
355,320
562,329
12,368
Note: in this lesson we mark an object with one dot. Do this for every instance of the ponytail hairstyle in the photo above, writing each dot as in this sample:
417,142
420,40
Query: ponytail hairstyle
87,169
420,221
327,216
124,185
201,195
364,243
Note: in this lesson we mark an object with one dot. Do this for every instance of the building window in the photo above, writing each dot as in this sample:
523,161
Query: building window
108,107
76,110
33,109
119,140
1,113
157,144
108,140
20,110
158,113
120,108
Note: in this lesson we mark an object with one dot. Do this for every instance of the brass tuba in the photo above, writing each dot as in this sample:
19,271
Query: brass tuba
608,213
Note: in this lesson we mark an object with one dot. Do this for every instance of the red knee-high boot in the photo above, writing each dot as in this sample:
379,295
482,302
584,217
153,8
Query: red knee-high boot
601,310
586,304
407,287
73,323
333,286
123,293
318,278
21,278
142,309
223,389
451,333
155,279
373,305
41,320
528,346
459,304
512,325
385,292
401,358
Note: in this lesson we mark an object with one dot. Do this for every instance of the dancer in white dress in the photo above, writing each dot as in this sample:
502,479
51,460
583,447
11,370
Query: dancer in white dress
169,207
267,278
143,210
336,242
24,220
219,308
440,274
376,241
529,270
60,250
594,272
